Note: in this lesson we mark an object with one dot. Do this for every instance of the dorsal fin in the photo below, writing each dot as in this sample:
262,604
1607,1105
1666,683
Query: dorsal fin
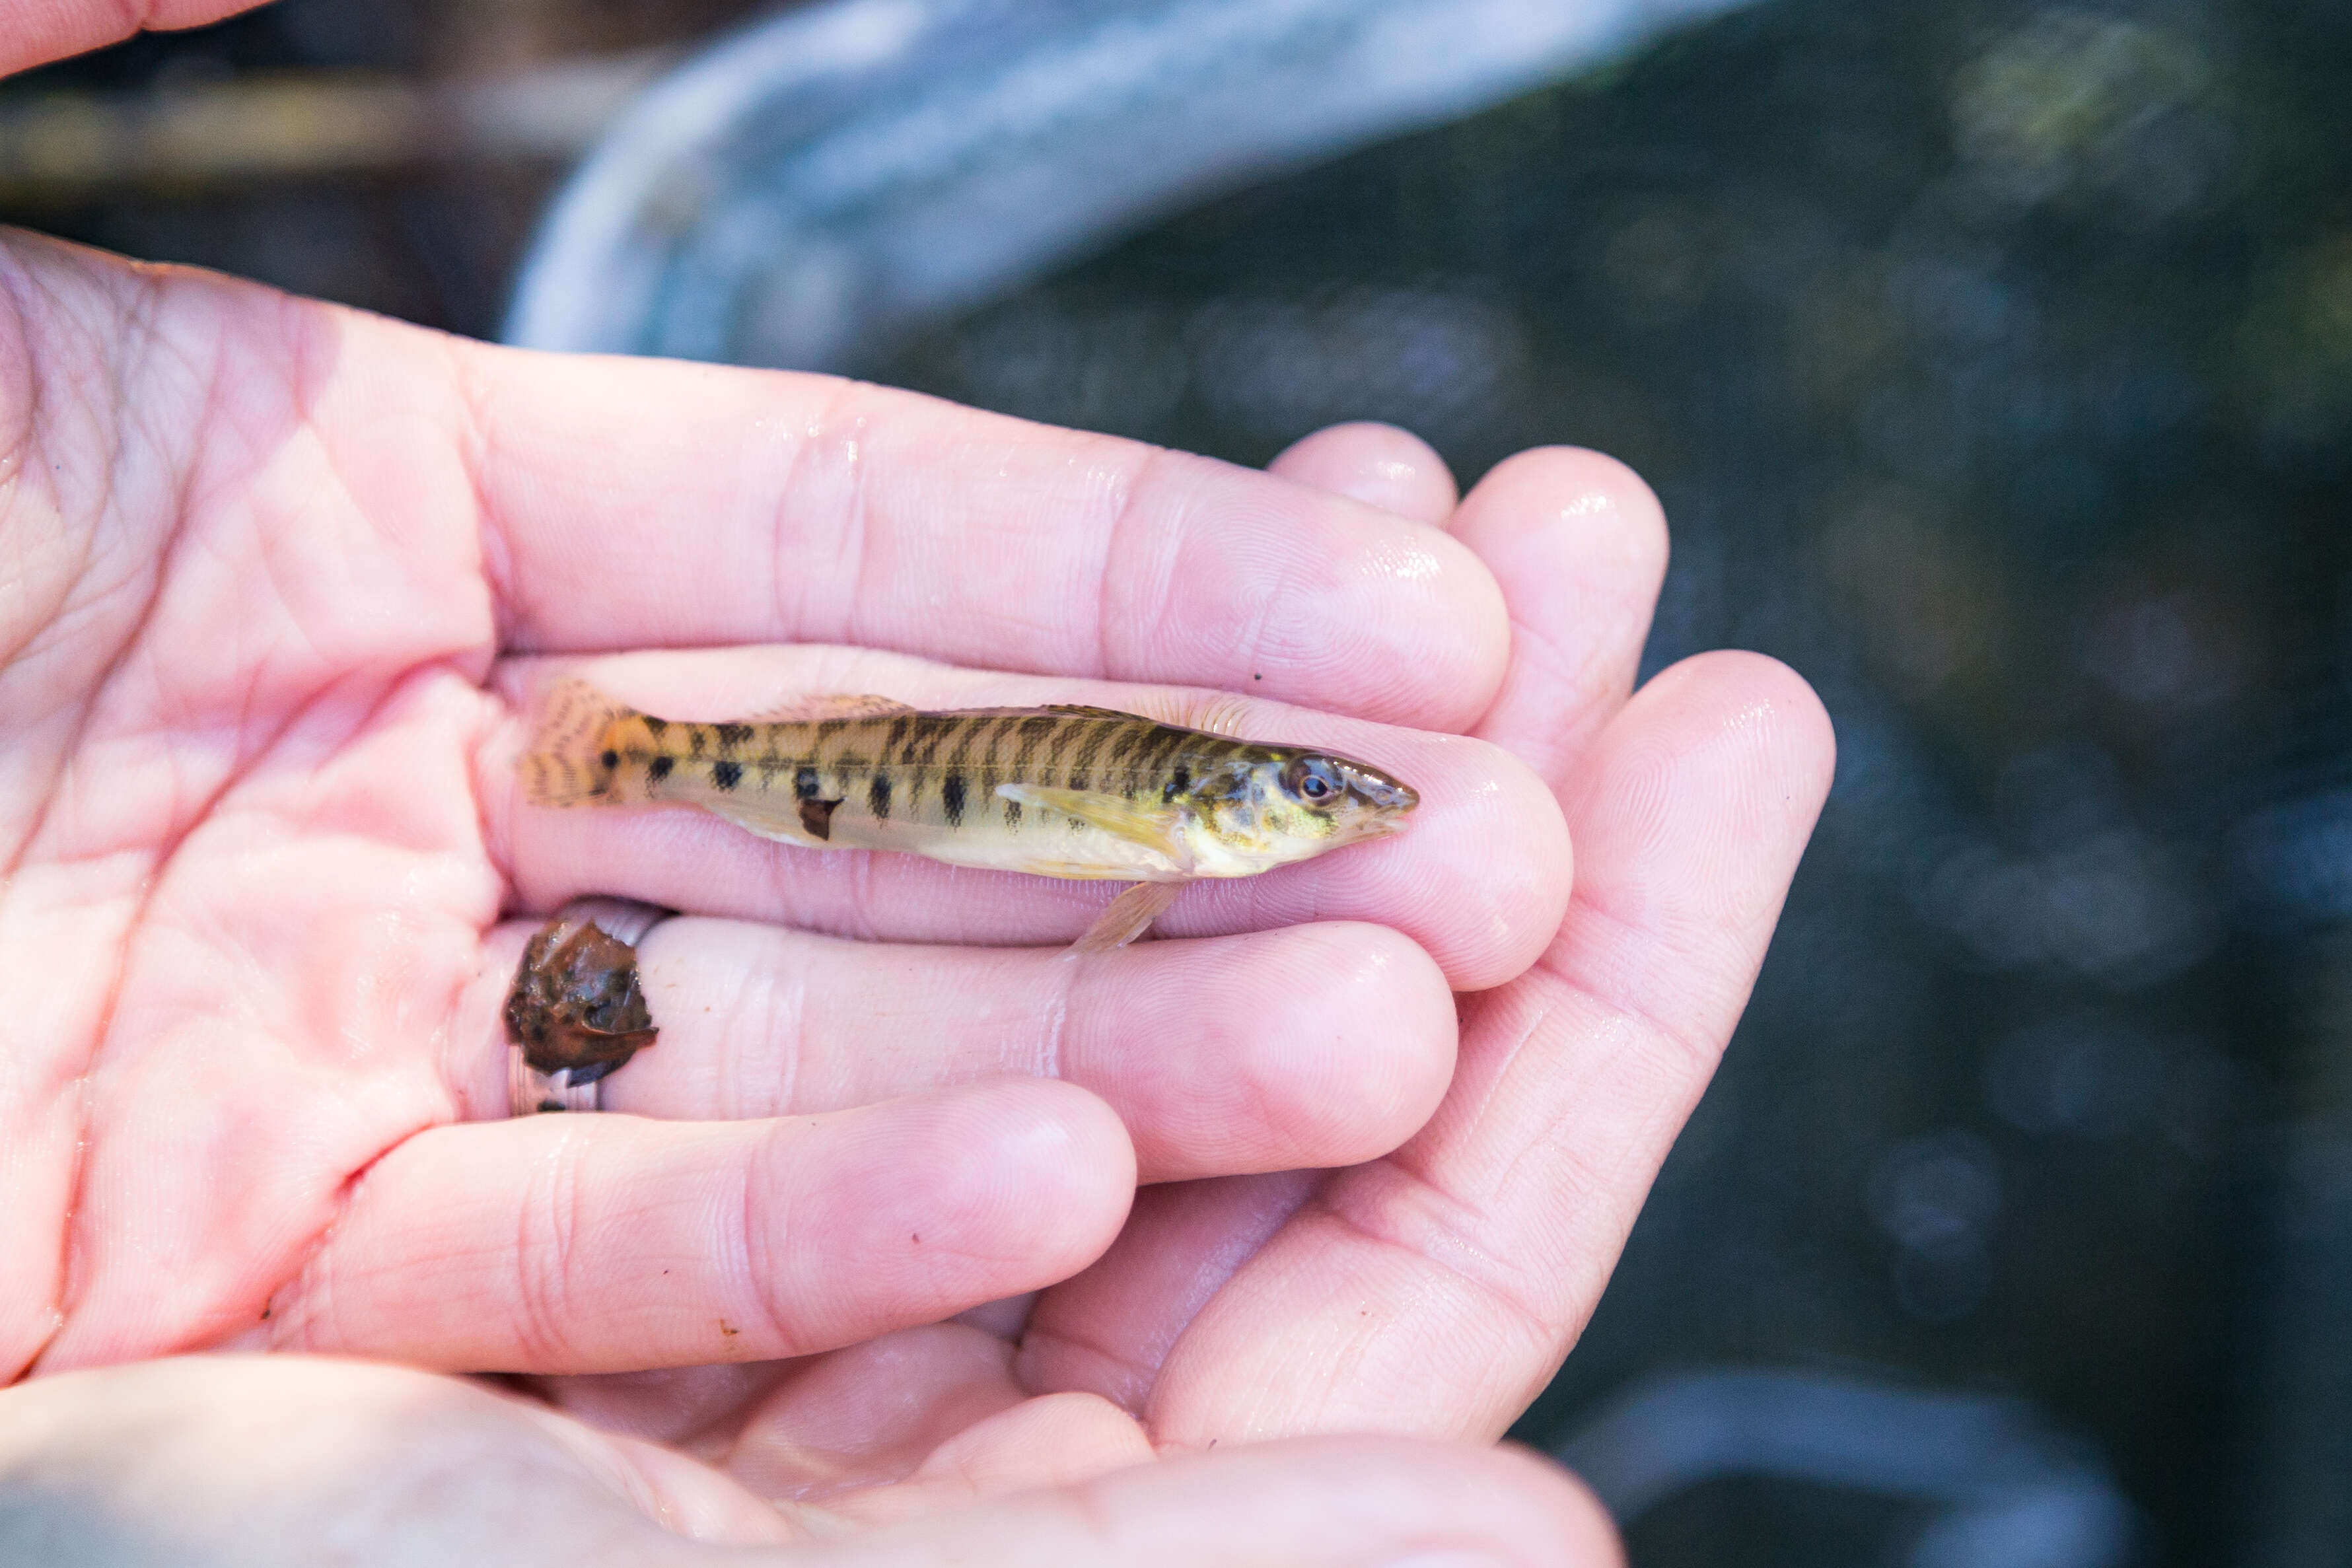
818,708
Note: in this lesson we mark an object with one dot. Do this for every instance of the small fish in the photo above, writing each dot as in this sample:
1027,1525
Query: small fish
1056,792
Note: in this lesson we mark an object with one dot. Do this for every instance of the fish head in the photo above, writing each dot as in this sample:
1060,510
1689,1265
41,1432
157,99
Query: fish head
1285,806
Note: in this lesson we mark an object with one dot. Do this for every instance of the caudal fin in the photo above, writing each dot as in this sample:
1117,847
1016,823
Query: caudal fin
566,763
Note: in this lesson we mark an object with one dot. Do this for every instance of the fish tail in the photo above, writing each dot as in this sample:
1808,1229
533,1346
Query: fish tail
566,763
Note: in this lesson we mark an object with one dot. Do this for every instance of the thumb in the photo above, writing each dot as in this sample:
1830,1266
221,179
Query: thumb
1320,1503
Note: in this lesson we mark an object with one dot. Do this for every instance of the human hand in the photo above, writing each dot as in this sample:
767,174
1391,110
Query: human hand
211,1460
34,32
1434,1291
1388,1065
277,570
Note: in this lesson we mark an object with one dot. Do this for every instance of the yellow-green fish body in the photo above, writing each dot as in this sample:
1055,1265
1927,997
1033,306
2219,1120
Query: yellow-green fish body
1056,792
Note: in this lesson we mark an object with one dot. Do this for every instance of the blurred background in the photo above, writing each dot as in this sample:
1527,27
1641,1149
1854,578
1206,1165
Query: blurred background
1994,362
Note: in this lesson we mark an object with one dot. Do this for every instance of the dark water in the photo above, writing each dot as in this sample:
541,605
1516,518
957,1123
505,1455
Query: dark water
1994,364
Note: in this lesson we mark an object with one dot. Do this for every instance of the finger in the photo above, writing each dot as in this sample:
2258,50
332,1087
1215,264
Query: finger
604,1243
632,503
893,1426
1310,1046
1580,545
1436,1290
1054,1440
681,1406
870,1415
1337,1500
32,32
905,1424
867,1414
1477,879
1109,1331
1379,465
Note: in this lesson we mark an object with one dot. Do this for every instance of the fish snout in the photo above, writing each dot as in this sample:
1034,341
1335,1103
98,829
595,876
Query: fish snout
1379,791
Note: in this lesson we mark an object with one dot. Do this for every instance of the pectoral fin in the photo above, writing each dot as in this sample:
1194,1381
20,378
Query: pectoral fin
1127,916
1154,829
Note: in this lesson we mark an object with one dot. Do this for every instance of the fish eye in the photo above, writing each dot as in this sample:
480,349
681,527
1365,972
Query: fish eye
1312,780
